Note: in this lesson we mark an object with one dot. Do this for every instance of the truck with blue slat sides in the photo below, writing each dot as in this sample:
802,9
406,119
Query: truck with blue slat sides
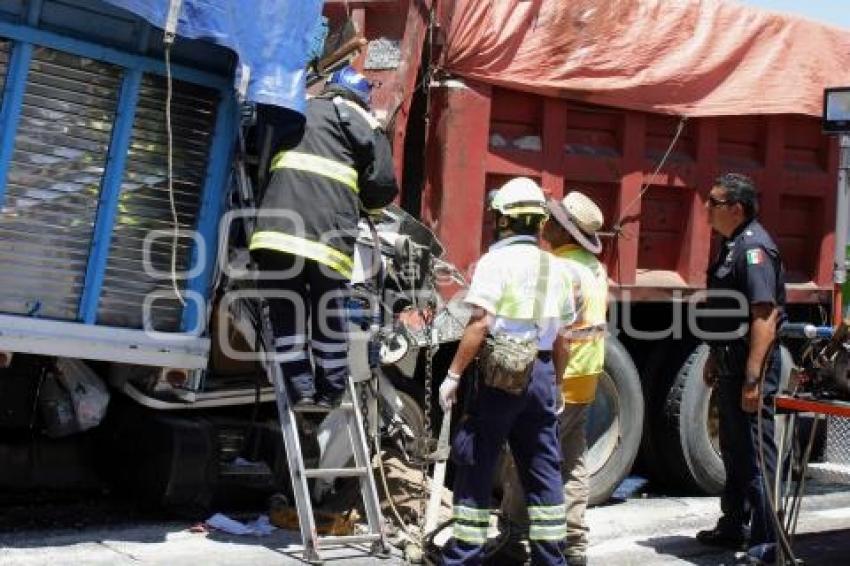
87,235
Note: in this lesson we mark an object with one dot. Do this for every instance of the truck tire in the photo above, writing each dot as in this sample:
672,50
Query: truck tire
614,423
692,447
657,375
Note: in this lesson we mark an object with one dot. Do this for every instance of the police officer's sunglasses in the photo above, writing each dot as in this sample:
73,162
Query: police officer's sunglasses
714,202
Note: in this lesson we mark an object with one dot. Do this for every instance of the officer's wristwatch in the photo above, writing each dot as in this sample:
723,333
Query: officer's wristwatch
452,375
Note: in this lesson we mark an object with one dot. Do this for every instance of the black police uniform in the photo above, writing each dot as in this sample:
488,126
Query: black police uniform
749,264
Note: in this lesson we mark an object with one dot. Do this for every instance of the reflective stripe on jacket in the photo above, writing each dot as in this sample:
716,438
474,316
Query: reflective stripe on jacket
303,247
321,177
587,335
318,165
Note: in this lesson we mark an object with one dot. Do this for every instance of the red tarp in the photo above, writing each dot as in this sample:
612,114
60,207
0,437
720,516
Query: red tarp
686,57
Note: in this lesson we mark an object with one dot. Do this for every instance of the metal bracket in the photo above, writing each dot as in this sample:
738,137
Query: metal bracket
171,21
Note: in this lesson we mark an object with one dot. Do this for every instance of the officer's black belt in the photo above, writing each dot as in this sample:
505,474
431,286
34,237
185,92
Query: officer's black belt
544,356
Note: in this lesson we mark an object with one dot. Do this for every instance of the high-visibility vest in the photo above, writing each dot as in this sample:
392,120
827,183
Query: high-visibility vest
587,335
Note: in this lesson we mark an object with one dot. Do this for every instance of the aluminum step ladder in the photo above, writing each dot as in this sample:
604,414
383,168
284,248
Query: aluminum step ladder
299,474
287,414
359,441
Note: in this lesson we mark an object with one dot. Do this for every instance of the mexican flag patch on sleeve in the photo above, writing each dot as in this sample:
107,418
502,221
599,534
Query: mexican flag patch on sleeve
754,257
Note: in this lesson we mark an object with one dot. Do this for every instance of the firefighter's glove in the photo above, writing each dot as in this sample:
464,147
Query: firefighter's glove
448,391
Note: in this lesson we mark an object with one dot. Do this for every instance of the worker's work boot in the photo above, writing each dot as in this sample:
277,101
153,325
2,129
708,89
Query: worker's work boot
723,539
304,402
510,552
330,401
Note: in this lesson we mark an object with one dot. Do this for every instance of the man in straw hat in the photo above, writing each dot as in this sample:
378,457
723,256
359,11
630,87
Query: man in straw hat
572,235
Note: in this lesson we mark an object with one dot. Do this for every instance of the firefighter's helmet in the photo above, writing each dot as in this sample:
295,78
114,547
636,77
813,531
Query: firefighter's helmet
520,196
352,81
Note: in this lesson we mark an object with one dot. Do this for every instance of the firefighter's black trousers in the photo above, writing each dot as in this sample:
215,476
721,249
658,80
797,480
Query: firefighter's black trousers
305,294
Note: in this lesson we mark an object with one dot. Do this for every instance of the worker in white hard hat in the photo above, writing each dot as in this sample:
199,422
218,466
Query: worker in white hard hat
572,235
520,297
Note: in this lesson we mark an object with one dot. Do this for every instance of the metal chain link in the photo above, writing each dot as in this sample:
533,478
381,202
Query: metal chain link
364,411
429,378
364,386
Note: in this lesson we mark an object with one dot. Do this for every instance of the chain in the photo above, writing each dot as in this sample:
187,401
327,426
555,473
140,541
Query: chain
364,410
372,360
429,378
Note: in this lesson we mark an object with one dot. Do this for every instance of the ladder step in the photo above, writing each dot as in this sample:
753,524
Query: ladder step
347,539
335,472
347,406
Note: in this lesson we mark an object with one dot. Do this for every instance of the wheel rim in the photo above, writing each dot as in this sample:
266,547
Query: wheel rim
603,425
412,415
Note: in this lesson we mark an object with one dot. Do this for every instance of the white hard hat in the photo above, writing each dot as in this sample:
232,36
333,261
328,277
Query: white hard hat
519,196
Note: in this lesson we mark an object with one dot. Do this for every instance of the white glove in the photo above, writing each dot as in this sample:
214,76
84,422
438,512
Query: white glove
448,392
559,403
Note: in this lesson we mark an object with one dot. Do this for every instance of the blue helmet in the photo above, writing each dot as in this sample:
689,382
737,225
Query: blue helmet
350,79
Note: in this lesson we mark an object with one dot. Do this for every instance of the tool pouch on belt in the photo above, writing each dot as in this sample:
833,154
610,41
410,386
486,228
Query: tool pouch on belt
506,363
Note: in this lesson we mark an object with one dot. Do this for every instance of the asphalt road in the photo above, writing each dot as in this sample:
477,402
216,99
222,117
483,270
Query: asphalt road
645,531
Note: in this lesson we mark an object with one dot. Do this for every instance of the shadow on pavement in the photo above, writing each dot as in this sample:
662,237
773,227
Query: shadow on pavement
827,548
689,550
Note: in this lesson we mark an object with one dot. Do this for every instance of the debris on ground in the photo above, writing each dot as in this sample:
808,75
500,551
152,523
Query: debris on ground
259,527
404,481
285,516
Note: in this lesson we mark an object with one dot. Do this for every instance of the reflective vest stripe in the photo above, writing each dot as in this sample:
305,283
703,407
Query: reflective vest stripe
316,251
318,165
587,341
586,333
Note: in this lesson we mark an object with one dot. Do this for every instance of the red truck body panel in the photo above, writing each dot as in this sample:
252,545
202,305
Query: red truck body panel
663,241
481,135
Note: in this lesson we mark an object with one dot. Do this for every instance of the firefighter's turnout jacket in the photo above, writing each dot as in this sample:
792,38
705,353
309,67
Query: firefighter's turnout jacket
341,164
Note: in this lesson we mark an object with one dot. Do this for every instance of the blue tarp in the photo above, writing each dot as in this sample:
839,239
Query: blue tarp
274,38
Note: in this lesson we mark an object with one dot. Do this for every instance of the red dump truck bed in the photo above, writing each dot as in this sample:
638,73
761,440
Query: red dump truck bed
514,109
660,241
610,80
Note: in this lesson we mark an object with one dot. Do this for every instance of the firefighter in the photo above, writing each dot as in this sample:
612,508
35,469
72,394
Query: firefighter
321,178
572,235
518,293
746,285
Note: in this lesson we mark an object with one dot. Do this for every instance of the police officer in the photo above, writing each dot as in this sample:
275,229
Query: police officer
322,176
524,293
572,234
747,276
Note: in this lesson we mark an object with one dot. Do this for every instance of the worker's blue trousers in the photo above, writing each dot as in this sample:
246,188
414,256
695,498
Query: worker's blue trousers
529,424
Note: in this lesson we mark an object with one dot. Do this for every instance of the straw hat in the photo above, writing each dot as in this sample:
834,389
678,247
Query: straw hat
579,216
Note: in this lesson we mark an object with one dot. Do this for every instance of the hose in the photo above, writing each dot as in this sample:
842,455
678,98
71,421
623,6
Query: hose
777,522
